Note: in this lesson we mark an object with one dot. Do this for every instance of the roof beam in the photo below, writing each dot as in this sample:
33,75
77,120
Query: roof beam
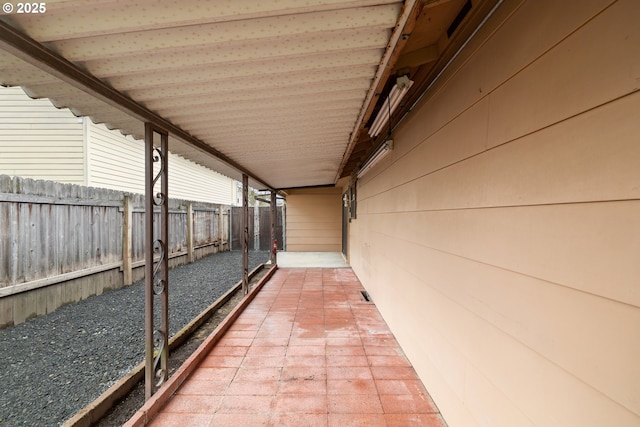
32,52
405,24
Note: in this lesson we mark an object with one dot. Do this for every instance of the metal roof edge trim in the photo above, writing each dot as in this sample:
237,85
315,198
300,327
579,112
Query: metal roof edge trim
34,53
405,15
304,187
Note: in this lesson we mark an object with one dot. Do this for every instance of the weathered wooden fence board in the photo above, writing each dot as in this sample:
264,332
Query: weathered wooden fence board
205,226
236,218
60,243
265,228
262,240
46,239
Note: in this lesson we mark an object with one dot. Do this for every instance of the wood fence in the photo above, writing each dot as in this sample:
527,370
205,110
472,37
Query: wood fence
259,228
60,243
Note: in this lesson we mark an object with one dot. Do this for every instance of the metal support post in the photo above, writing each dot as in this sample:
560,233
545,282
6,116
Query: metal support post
156,277
256,227
283,214
245,234
274,244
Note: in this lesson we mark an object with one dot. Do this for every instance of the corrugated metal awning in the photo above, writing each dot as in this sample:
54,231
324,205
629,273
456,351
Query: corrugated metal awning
275,86
281,90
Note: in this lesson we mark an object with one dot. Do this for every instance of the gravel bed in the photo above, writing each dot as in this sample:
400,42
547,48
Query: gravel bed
54,365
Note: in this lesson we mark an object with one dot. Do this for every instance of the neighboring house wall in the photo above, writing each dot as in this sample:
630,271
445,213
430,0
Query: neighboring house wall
39,141
195,182
113,160
501,238
313,220
117,162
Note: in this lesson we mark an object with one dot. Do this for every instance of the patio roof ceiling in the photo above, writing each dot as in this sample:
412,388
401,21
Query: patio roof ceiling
281,90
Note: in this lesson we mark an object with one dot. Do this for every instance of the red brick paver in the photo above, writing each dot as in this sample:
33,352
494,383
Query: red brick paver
307,351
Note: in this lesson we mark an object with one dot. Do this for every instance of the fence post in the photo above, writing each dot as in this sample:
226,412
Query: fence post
230,230
127,244
190,232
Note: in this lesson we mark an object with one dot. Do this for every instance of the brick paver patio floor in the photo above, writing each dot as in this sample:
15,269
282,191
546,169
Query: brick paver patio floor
309,350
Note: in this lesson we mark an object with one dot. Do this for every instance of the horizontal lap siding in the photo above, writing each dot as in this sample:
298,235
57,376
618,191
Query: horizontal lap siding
117,162
39,141
500,238
191,181
314,222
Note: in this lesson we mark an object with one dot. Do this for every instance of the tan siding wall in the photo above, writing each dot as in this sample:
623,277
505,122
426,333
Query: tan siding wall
39,141
500,239
314,220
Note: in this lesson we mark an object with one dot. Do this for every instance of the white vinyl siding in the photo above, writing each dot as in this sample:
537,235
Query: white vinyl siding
194,182
114,161
38,140
117,162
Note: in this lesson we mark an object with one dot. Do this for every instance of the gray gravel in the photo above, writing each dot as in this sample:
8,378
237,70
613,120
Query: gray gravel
54,365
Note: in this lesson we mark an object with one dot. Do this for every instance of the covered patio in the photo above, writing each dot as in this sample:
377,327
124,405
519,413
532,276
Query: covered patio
475,161
309,350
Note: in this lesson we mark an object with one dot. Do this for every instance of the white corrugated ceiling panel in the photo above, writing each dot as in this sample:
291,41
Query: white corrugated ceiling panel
277,86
